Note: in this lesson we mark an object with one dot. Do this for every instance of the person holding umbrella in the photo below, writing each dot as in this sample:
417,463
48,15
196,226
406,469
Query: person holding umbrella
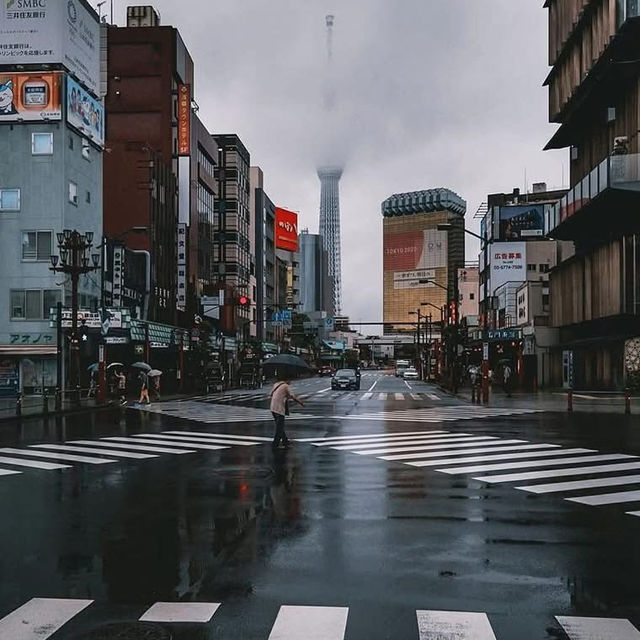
280,396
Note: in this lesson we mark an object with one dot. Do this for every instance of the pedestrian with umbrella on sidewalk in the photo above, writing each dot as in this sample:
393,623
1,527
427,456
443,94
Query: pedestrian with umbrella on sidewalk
143,377
154,376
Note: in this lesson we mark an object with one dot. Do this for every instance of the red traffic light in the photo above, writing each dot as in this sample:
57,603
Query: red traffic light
243,301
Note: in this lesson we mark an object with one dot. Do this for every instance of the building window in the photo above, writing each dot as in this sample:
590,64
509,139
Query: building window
36,245
545,300
86,150
544,268
472,296
33,304
9,199
42,144
73,193
531,267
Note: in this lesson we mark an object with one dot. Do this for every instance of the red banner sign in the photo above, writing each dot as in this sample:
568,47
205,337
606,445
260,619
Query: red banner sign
286,230
403,251
184,120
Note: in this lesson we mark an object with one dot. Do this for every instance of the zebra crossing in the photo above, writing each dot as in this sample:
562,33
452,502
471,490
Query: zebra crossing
41,618
441,414
112,449
322,396
571,473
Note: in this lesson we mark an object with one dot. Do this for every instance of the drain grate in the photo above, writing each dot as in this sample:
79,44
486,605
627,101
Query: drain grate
127,631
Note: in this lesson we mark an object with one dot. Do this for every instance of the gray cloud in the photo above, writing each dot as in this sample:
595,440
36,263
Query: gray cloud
428,93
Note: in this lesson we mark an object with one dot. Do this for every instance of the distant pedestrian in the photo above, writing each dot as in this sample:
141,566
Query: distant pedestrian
507,374
280,397
155,388
144,388
122,387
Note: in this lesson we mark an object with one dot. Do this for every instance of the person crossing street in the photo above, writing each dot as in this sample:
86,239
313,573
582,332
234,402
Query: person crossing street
281,394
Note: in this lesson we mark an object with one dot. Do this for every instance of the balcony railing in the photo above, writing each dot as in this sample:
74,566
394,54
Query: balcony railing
620,172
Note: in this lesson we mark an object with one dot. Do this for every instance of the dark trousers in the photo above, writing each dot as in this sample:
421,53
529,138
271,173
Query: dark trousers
280,435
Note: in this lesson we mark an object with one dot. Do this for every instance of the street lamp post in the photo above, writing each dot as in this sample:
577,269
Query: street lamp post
74,261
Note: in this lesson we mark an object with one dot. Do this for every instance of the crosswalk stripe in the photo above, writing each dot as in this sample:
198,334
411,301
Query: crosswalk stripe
366,396
168,444
465,452
633,513
503,456
598,628
415,396
201,612
58,456
105,452
310,623
539,463
40,618
189,439
432,396
220,435
382,396
130,447
333,439
559,473
437,447
447,437
607,498
556,487
445,440
454,625
399,396
34,464
8,472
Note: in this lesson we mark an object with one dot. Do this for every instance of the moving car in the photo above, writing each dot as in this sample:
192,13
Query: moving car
345,379
325,370
401,367
410,374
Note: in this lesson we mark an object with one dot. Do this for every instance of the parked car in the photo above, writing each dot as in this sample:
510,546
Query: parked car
410,374
325,371
345,379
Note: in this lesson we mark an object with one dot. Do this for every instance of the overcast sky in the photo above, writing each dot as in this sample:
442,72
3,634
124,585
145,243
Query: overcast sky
428,93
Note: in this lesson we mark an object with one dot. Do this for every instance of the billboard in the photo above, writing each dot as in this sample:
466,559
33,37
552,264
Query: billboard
52,32
415,250
184,120
286,230
30,97
521,221
508,263
411,279
84,112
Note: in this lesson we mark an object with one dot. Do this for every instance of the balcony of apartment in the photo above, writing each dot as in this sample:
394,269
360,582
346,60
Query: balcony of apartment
601,203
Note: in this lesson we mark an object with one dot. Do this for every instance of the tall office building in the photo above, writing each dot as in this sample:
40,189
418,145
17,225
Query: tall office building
330,227
420,261
316,290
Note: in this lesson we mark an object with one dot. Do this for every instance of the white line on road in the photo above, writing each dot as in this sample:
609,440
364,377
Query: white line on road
399,396
556,487
40,618
220,435
106,452
607,498
541,463
408,385
8,472
598,628
433,396
366,396
373,386
382,396
454,625
330,440
310,623
414,441
503,456
131,447
416,396
201,612
465,452
165,443
437,447
34,464
559,473
58,456
421,436
202,439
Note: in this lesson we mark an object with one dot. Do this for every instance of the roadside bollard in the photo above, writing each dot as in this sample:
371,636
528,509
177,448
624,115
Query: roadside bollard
45,402
570,401
19,404
627,402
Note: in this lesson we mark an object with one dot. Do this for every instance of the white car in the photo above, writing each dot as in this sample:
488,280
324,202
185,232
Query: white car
410,374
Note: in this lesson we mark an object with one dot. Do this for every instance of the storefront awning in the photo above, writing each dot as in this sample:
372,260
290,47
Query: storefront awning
19,350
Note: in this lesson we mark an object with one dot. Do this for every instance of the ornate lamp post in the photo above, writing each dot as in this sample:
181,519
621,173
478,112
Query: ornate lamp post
75,260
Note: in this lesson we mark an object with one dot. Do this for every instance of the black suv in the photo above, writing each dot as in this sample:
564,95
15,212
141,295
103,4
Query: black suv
345,379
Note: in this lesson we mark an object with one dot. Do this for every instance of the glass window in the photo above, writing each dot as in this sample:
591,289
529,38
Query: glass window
70,141
33,304
9,199
73,193
50,298
88,197
531,267
17,304
36,245
86,150
42,144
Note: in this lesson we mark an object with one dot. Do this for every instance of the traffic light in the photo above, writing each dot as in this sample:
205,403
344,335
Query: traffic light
243,301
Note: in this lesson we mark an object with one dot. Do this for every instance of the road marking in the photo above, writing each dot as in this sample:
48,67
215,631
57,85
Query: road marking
131,447
444,440
58,456
373,386
75,449
415,396
180,612
8,472
598,628
541,463
454,625
408,386
382,396
324,390
555,487
329,440
607,498
366,396
558,473
310,623
34,464
400,440
437,447
399,396
166,443
464,452
201,439
40,618
219,435
503,456
432,396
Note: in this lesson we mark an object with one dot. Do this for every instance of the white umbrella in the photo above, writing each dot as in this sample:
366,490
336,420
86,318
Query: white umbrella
115,364
154,373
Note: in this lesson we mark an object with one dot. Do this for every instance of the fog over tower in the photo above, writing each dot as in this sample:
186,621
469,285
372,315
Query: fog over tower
329,175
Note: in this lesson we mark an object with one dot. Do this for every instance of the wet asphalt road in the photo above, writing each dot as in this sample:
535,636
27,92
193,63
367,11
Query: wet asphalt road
316,526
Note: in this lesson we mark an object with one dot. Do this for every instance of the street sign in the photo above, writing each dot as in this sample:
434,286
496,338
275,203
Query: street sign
211,306
485,350
329,323
116,340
